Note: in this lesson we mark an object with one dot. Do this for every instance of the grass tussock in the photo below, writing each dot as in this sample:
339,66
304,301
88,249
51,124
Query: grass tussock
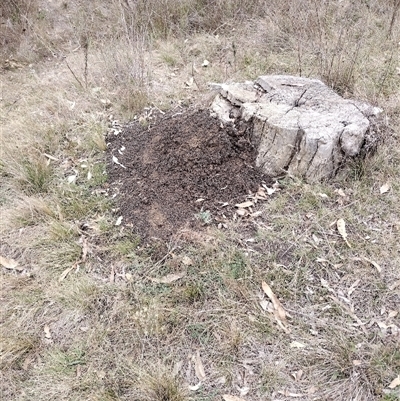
85,315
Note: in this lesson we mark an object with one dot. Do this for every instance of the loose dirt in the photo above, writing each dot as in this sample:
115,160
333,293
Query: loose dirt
182,169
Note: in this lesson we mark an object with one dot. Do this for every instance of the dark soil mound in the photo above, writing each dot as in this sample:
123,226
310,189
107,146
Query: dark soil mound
181,170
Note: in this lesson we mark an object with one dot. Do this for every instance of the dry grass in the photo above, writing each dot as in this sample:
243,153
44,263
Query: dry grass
105,331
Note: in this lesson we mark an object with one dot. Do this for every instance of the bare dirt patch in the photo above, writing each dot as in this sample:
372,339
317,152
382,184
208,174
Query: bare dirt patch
184,168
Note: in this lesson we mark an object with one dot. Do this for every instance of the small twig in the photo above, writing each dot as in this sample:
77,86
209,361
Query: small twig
9,107
85,45
73,74
385,75
194,79
299,57
159,263
234,55
350,313
396,7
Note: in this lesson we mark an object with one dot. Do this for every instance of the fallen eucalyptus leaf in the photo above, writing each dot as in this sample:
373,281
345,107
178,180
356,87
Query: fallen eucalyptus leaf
169,278
395,382
296,344
244,205
279,312
189,82
196,387
244,390
199,368
377,267
10,264
65,273
241,212
341,226
71,179
384,188
116,161
228,397
47,333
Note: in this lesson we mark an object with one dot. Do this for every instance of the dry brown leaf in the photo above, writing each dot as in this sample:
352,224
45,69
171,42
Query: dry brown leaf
196,387
279,312
169,278
341,226
353,287
298,375
243,390
228,397
316,239
50,157
189,82
47,333
296,344
377,267
312,390
27,362
198,367
85,248
10,264
287,393
261,194
187,261
177,368
340,192
357,362
241,212
244,204
393,313
256,214
112,275
65,273
266,305
395,382
270,191
384,188
128,277
116,161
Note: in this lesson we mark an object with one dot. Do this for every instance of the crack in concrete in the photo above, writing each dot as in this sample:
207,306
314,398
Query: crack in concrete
312,158
296,147
296,103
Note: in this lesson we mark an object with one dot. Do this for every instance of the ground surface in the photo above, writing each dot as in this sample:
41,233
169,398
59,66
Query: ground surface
183,166
87,313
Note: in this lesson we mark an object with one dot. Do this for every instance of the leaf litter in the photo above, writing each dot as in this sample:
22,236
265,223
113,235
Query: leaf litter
278,310
341,226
